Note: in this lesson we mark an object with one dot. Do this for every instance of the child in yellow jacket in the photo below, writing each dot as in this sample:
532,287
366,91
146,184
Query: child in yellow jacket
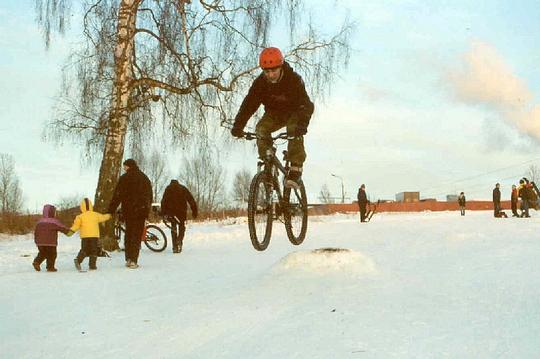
88,224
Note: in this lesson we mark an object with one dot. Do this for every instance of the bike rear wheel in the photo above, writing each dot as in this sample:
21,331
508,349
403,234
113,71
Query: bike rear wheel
155,239
260,213
295,213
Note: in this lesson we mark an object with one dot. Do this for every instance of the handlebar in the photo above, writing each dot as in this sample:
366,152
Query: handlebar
280,136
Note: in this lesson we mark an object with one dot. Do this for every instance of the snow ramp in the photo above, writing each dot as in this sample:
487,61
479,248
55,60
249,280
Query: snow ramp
327,261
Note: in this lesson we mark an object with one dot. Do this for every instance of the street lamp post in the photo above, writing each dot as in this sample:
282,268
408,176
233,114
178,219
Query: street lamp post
342,189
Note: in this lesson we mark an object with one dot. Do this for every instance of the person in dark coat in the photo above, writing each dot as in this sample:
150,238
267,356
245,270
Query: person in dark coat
46,238
286,104
362,202
523,193
496,200
514,201
462,201
134,193
174,209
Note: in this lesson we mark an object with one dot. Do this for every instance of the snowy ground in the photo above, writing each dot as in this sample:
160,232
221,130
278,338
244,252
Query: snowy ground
427,285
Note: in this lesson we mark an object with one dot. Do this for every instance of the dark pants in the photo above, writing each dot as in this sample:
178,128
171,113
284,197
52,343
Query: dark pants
48,253
514,208
132,241
89,248
178,229
362,208
462,209
525,208
269,124
496,208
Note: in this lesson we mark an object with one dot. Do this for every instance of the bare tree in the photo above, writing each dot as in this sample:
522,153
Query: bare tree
155,167
69,202
190,57
204,176
533,173
240,186
10,190
324,195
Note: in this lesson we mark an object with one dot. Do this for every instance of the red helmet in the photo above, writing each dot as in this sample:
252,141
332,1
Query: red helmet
270,57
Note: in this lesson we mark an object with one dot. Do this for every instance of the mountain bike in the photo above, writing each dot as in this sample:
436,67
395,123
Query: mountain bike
153,237
269,199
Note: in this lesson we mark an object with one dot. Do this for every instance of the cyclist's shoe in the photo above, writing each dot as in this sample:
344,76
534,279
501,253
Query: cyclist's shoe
294,177
52,269
133,265
77,264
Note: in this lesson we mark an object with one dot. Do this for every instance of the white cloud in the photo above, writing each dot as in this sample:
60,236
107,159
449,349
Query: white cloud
486,79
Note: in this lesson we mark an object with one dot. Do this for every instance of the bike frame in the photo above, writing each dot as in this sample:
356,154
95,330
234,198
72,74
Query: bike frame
271,166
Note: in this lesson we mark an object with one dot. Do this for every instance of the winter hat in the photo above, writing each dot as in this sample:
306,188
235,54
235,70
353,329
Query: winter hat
130,162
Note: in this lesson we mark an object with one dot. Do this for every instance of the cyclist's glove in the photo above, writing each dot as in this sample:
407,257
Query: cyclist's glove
237,132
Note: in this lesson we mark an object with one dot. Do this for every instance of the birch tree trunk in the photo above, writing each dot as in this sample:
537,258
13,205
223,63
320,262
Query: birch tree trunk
119,115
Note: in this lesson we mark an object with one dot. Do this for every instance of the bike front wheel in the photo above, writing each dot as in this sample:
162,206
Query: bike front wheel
295,213
260,213
155,238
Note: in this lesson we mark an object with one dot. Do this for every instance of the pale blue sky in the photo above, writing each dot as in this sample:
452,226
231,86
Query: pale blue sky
411,113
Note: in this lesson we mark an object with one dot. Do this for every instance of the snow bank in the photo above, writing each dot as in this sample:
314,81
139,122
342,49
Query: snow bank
327,260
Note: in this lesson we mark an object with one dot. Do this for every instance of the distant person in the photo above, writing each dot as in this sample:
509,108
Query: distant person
134,193
362,202
462,201
174,209
523,193
88,224
514,201
496,200
46,238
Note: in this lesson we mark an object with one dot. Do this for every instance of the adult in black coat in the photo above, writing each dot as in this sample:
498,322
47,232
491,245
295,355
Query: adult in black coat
134,193
362,202
174,208
496,200
462,202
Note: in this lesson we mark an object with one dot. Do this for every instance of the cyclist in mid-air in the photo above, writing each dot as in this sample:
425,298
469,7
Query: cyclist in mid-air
286,103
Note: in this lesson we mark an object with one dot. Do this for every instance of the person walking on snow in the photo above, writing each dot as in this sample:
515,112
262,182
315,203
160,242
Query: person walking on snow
174,209
134,193
462,201
46,238
362,202
496,200
514,201
286,104
88,224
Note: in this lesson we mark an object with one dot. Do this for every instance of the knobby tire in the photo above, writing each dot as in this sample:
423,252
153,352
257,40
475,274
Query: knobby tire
260,213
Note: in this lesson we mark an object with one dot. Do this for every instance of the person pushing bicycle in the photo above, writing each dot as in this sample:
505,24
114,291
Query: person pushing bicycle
286,104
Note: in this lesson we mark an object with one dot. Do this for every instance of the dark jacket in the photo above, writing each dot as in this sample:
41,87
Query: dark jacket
496,195
134,192
462,201
47,228
514,197
175,200
362,197
280,100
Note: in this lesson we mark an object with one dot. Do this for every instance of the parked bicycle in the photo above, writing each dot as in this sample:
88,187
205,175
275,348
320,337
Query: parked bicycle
269,199
153,237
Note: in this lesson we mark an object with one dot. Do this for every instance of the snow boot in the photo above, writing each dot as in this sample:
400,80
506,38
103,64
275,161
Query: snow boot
77,264
36,266
294,177
92,263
